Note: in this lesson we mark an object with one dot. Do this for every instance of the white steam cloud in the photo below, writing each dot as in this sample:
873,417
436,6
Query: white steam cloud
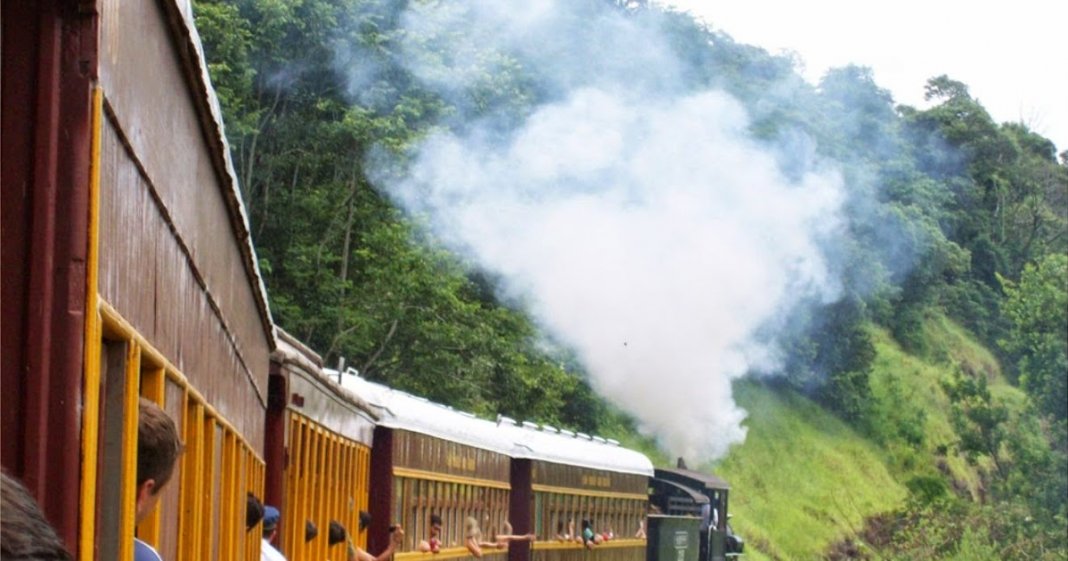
646,231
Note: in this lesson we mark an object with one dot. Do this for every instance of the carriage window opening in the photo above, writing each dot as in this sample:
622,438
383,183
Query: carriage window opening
110,478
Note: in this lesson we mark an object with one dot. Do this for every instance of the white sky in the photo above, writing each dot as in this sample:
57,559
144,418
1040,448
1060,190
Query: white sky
1013,56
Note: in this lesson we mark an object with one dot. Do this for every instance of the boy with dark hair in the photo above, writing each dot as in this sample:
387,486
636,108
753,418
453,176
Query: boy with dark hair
25,535
336,534
253,512
158,447
365,520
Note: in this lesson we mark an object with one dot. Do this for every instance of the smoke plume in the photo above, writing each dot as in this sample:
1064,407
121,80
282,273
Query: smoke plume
633,217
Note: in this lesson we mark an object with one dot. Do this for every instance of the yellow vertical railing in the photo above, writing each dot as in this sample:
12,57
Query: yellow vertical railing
245,485
128,493
307,478
153,386
312,504
293,477
189,521
91,389
228,531
347,495
253,538
207,489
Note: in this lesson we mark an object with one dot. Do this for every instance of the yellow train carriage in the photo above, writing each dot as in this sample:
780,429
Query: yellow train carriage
432,460
561,478
318,443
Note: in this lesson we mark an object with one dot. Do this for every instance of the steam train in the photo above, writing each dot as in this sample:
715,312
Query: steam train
129,272
429,460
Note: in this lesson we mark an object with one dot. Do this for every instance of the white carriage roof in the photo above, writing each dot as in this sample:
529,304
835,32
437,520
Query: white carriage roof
547,445
416,414
404,411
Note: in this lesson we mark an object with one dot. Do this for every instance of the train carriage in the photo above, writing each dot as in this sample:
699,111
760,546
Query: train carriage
318,448
560,478
432,460
128,272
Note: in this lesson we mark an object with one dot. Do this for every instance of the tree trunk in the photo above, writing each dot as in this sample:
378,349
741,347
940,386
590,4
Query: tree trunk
348,232
250,165
366,366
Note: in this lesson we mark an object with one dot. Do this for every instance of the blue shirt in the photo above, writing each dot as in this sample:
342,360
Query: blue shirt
144,552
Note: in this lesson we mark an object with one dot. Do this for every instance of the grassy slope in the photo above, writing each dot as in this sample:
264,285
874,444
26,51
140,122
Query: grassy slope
803,479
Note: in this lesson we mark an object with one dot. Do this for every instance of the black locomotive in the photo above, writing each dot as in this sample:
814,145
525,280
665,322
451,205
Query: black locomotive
703,497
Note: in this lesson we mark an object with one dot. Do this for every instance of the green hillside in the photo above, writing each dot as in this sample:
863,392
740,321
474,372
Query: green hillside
804,480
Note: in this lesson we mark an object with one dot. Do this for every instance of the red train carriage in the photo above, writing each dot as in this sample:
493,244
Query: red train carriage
128,271
318,452
431,460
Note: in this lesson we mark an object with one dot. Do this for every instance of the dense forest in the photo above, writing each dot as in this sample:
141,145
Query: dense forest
947,213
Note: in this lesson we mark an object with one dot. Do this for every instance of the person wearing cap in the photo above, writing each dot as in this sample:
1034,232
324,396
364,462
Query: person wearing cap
271,518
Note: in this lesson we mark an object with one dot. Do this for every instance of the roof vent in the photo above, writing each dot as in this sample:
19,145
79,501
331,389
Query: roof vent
599,439
613,442
583,435
566,432
530,425
550,428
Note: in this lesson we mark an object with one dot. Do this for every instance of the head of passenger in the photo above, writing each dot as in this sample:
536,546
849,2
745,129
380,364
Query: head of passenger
365,520
271,518
471,528
310,530
158,447
253,512
25,535
435,525
337,533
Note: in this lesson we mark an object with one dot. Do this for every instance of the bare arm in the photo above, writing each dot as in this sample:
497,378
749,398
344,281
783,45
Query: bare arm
395,539
503,539
515,537
474,547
